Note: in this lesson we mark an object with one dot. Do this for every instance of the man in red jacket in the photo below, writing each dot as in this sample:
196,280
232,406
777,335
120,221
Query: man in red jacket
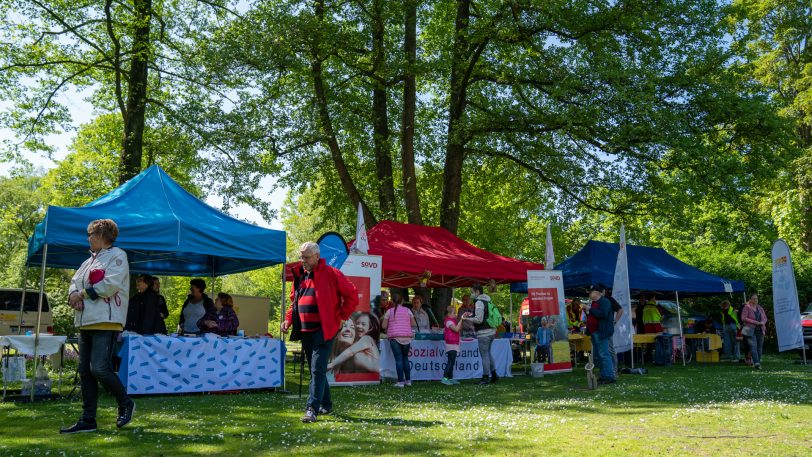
321,299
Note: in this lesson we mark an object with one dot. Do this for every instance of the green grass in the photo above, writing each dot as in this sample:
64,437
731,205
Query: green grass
701,410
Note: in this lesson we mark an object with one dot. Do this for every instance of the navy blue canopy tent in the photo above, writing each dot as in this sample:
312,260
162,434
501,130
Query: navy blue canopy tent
650,269
164,230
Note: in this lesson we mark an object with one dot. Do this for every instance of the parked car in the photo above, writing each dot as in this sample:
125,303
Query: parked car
806,325
10,312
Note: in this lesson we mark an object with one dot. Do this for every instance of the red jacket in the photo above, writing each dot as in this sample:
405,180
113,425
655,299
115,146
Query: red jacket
336,297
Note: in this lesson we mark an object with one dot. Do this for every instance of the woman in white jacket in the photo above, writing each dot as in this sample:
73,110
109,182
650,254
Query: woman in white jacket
99,294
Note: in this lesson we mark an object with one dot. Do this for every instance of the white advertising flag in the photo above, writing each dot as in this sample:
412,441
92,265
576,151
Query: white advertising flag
620,292
785,299
549,256
361,244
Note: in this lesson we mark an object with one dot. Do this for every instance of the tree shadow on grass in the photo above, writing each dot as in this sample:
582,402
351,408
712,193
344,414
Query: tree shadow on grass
388,421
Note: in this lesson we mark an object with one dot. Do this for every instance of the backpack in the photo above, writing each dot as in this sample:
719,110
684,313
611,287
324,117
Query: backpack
492,315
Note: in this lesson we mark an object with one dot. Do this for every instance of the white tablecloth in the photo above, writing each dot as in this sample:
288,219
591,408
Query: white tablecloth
427,359
48,344
163,364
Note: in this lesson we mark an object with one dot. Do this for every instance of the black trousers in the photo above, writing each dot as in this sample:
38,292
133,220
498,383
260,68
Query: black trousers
95,364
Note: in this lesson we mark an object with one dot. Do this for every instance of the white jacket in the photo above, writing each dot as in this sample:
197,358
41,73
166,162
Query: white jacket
113,291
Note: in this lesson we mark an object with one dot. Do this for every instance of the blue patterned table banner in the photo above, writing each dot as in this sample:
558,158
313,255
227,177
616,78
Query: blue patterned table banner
158,364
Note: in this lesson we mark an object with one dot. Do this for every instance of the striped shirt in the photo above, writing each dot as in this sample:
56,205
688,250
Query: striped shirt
400,322
306,304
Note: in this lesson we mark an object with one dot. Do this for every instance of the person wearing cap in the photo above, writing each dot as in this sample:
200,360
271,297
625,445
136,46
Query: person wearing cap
618,312
600,326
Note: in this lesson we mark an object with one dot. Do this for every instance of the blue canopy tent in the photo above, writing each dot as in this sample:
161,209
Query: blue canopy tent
164,229
650,269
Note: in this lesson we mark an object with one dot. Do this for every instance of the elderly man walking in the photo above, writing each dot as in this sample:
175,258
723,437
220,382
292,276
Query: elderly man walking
321,299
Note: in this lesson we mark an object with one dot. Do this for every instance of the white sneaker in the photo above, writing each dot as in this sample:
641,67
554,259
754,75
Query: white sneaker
400,384
408,383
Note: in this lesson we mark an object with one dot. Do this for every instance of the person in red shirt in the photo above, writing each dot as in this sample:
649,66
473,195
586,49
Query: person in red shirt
321,299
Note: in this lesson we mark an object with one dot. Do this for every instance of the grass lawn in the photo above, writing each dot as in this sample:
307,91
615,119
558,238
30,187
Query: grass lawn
713,410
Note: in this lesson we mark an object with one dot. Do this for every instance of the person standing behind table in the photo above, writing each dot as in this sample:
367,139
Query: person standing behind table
423,316
574,315
730,328
321,299
484,334
600,326
156,286
222,319
652,317
144,311
99,293
467,330
399,325
755,319
196,306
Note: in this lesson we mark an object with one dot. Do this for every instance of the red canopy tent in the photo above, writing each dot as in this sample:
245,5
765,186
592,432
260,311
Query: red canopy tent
408,251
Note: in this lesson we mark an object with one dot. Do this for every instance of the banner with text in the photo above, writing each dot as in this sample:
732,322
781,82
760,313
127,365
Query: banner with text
785,300
355,358
428,359
548,312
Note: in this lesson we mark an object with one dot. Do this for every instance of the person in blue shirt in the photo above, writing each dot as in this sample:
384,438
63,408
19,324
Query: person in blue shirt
544,338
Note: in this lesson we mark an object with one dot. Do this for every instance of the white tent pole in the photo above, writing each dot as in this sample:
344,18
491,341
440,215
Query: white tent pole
22,301
681,336
39,317
282,316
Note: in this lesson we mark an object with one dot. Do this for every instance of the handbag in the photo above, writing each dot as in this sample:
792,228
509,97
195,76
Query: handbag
748,331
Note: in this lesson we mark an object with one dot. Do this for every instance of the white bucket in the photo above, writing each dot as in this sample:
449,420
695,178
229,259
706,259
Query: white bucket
537,370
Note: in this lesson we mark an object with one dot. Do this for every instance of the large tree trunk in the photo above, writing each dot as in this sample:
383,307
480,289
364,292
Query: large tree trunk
383,158
455,146
409,108
326,124
803,170
134,118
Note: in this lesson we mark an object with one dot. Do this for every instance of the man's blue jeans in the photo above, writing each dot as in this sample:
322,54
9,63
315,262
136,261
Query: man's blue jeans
401,354
600,346
730,344
318,352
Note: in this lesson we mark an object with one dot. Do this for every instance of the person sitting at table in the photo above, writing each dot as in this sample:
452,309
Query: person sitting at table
196,306
144,313
422,316
221,319
156,286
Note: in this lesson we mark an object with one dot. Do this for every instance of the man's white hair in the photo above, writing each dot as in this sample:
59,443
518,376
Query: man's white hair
310,248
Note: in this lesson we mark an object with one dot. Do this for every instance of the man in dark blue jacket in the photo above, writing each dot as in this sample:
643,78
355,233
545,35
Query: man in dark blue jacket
600,325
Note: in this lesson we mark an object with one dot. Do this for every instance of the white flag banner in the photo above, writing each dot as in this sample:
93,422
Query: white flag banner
786,308
361,244
620,292
549,256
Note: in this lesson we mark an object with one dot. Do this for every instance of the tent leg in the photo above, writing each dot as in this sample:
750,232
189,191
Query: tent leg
39,317
510,294
22,301
681,336
282,316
